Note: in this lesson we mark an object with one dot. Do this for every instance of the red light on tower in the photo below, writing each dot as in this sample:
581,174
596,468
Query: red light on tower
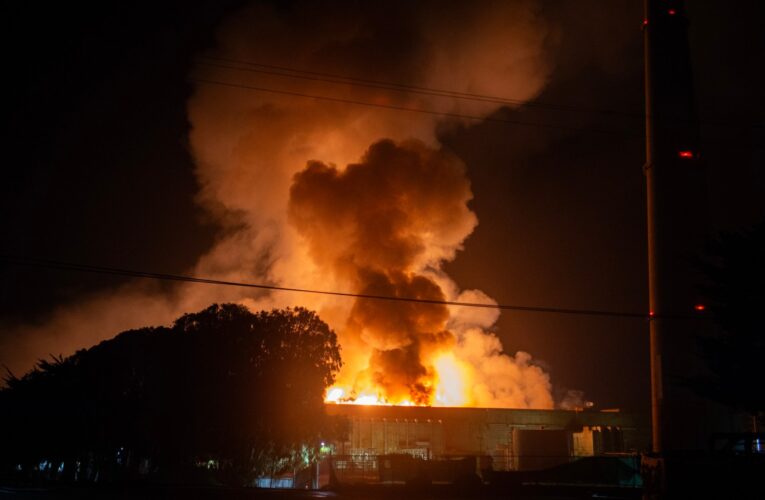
686,153
700,307
671,12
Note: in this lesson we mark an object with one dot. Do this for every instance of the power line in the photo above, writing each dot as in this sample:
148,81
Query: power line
399,87
276,70
416,110
612,133
69,266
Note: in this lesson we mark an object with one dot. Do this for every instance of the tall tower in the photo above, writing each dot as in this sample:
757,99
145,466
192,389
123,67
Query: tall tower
677,228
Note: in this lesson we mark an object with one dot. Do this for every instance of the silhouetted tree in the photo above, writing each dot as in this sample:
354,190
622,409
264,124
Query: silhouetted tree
735,268
240,390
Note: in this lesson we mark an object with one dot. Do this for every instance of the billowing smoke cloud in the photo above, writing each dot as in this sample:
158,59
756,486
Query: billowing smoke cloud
324,194
377,224
384,226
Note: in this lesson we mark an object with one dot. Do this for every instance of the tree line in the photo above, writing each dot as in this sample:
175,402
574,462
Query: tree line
223,393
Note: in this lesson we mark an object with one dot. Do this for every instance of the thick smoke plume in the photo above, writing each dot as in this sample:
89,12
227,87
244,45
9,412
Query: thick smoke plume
377,225
322,194
384,226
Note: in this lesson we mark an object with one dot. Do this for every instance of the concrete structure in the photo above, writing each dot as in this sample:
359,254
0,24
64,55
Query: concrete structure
501,439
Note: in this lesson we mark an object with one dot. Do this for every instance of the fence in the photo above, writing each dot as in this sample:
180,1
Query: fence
404,468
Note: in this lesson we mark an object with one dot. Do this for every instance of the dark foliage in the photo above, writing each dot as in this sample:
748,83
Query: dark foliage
223,390
735,268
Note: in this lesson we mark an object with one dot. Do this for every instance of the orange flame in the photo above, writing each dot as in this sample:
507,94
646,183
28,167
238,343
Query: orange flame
450,377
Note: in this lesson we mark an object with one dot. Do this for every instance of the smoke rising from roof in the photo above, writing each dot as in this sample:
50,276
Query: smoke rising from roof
377,204
382,225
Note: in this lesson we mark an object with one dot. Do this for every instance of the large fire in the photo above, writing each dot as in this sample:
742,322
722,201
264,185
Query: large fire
325,194
450,380
384,226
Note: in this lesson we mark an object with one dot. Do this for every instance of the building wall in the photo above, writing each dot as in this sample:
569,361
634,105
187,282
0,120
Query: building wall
429,433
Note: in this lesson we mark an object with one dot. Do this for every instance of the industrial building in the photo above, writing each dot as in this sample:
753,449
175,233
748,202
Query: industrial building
496,439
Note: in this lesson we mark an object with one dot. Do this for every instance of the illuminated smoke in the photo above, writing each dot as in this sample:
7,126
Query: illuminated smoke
375,226
385,224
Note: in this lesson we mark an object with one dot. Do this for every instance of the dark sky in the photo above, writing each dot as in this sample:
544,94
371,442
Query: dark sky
97,168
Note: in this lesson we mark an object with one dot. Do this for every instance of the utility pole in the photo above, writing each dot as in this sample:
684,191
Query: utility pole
676,221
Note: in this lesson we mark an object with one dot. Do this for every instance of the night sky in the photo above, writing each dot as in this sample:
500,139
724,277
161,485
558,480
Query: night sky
98,169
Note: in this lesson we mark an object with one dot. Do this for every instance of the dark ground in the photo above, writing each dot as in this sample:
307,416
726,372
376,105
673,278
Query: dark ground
362,492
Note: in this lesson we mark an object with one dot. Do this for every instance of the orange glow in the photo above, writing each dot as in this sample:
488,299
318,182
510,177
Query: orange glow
450,378
339,395
685,154
452,387
700,307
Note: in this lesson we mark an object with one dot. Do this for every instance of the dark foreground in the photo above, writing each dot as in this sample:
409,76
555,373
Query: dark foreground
371,492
